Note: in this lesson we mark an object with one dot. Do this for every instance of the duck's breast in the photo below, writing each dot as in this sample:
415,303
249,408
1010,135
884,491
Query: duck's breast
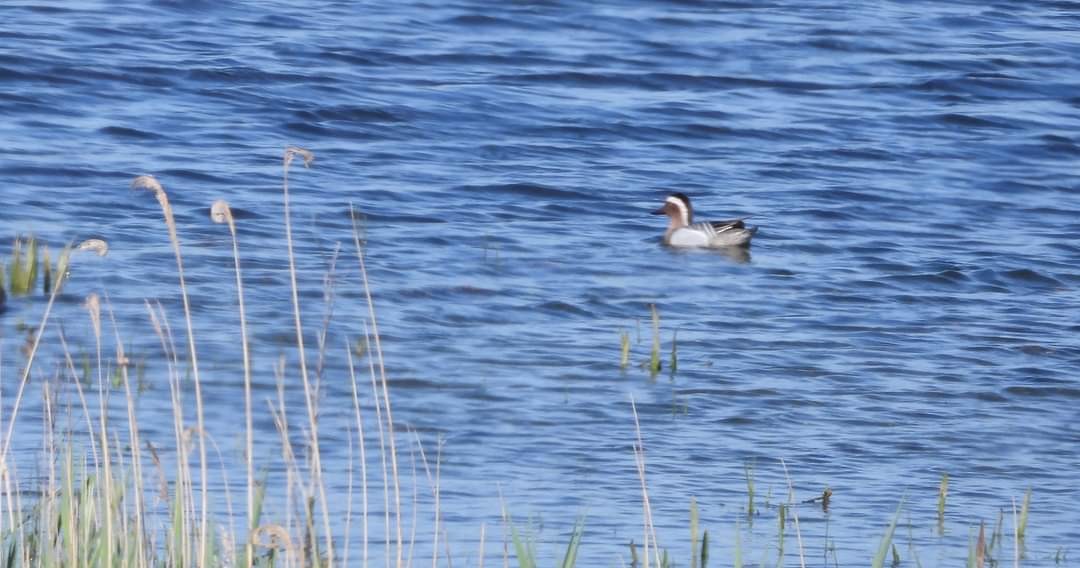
687,237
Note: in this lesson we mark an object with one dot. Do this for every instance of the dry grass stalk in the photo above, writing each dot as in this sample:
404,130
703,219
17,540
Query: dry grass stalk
151,184
220,212
363,453
93,306
385,387
794,514
639,459
309,395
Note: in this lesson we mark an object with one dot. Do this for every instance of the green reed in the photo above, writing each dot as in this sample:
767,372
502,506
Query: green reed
886,539
624,349
943,492
654,353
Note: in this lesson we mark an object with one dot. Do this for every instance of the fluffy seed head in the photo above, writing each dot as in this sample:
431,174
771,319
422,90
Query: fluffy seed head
220,212
293,151
149,183
96,246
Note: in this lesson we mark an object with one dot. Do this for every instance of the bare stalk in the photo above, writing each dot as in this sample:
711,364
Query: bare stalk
483,526
435,486
220,212
385,386
82,396
382,447
363,453
639,458
133,436
93,306
794,514
183,482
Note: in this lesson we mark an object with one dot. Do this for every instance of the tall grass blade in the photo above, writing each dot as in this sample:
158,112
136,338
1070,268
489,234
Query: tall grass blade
748,470
570,558
781,515
943,492
693,533
705,549
1021,528
980,547
886,539
46,276
673,364
526,556
654,357
31,269
15,275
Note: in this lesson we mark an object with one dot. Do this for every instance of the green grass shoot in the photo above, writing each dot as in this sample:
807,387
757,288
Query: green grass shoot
781,517
673,365
748,469
886,539
24,266
943,492
705,549
570,557
624,349
524,549
1021,525
654,358
997,535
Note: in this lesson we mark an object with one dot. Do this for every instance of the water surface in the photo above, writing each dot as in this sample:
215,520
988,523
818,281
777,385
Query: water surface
908,308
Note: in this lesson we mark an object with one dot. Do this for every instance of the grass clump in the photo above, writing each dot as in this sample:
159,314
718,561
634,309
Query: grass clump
654,364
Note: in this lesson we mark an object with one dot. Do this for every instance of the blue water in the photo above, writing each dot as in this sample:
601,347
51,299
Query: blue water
908,308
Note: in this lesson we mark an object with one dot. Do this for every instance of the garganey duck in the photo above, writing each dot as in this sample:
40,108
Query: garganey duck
684,233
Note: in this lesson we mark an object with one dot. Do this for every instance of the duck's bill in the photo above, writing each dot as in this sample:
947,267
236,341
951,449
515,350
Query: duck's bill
659,211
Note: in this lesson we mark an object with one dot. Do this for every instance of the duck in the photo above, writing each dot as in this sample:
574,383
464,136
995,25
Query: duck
683,232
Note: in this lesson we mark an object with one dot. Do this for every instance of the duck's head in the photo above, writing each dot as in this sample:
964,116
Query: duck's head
677,208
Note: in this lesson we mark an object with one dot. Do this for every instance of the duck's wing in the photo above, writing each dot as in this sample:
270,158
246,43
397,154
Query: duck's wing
716,227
